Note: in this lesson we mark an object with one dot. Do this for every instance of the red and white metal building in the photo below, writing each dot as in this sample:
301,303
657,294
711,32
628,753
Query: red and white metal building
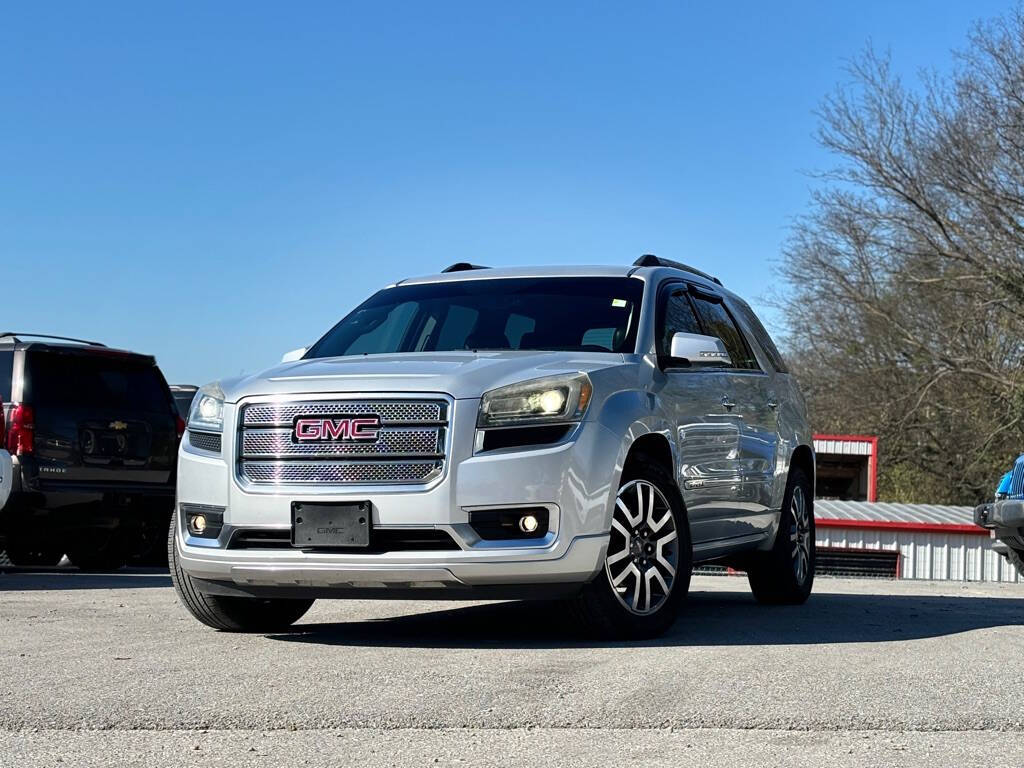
847,467
908,541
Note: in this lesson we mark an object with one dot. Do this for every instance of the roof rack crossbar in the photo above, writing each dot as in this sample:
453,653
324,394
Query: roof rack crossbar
462,266
650,260
16,337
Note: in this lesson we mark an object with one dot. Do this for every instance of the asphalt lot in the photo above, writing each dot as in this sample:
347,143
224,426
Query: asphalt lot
109,670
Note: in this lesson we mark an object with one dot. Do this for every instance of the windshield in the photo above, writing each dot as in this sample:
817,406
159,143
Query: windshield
576,314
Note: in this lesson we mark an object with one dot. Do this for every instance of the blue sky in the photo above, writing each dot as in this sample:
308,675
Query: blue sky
220,182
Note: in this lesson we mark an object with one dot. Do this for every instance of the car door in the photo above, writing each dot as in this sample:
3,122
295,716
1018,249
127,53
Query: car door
752,406
707,436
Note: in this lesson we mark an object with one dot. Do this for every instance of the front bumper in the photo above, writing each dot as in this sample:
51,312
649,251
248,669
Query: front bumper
319,573
575,480
1005,513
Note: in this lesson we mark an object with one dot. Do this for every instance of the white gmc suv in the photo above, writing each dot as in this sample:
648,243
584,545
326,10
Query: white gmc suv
580,433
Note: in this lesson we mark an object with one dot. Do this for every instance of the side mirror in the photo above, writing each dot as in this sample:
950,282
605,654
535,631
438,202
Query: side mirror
295,354
696,350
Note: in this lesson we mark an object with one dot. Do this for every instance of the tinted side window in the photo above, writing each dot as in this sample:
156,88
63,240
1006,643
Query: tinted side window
677,317
761,337
6,375
717,322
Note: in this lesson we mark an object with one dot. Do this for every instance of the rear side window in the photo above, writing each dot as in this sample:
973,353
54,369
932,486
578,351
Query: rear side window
6,375
761,336
717,322
80,381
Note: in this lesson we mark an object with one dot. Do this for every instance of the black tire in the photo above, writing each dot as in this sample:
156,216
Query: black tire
1015,557
30,551
776,577
231,614
603,610
148,547
97,549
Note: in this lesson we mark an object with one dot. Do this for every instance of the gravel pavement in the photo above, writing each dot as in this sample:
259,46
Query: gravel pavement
109,670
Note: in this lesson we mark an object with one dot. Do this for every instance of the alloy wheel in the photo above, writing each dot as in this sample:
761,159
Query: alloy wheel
800,535
643,551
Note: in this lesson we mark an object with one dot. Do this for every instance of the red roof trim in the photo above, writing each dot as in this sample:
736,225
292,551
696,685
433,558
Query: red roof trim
896,525
851,438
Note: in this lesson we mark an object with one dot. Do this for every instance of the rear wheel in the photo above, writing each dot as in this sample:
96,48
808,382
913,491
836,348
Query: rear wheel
785,574
647,568
97,549
148,545
28,550
231,614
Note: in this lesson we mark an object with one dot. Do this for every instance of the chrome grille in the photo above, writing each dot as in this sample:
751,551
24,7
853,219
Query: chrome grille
410,447
312,473
390,412
1017,480
395,442
204,441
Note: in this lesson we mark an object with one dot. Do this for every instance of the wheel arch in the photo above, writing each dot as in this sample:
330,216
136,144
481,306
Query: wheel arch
654,446
644,440
803,457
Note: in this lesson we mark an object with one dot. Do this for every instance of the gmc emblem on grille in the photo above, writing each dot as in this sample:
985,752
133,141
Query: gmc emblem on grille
337,429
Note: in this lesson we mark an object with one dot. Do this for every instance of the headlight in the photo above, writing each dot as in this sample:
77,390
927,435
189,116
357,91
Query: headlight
207,412
539,401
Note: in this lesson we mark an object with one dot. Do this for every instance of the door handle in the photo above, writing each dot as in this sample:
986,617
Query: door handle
728,403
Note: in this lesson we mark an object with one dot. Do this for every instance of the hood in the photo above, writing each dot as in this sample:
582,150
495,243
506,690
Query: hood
459,374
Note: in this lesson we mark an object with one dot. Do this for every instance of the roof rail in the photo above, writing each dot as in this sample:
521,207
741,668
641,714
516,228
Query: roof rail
16,337
650,260
462,266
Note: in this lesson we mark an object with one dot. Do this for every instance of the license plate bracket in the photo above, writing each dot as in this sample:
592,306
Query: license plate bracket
317,525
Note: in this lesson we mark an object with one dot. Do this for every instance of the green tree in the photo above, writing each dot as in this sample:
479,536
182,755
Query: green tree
906,279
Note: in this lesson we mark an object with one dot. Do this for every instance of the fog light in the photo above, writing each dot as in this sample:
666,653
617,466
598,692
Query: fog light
510,523
203,521
528,523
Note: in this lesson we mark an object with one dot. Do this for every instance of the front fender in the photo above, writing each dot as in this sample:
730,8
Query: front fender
631,415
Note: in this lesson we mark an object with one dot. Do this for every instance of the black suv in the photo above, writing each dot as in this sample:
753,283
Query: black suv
183,395
93,433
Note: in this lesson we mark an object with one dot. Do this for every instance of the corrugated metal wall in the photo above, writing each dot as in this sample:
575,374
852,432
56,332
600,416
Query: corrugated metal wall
942,556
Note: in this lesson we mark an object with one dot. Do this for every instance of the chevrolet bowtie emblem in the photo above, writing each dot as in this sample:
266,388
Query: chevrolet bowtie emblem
118,425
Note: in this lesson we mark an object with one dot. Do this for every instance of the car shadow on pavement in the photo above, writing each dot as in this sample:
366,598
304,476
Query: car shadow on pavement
14,579
708,619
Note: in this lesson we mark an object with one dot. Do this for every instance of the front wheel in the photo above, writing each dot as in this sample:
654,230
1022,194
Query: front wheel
785,574
1015,556
231,614
646,572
